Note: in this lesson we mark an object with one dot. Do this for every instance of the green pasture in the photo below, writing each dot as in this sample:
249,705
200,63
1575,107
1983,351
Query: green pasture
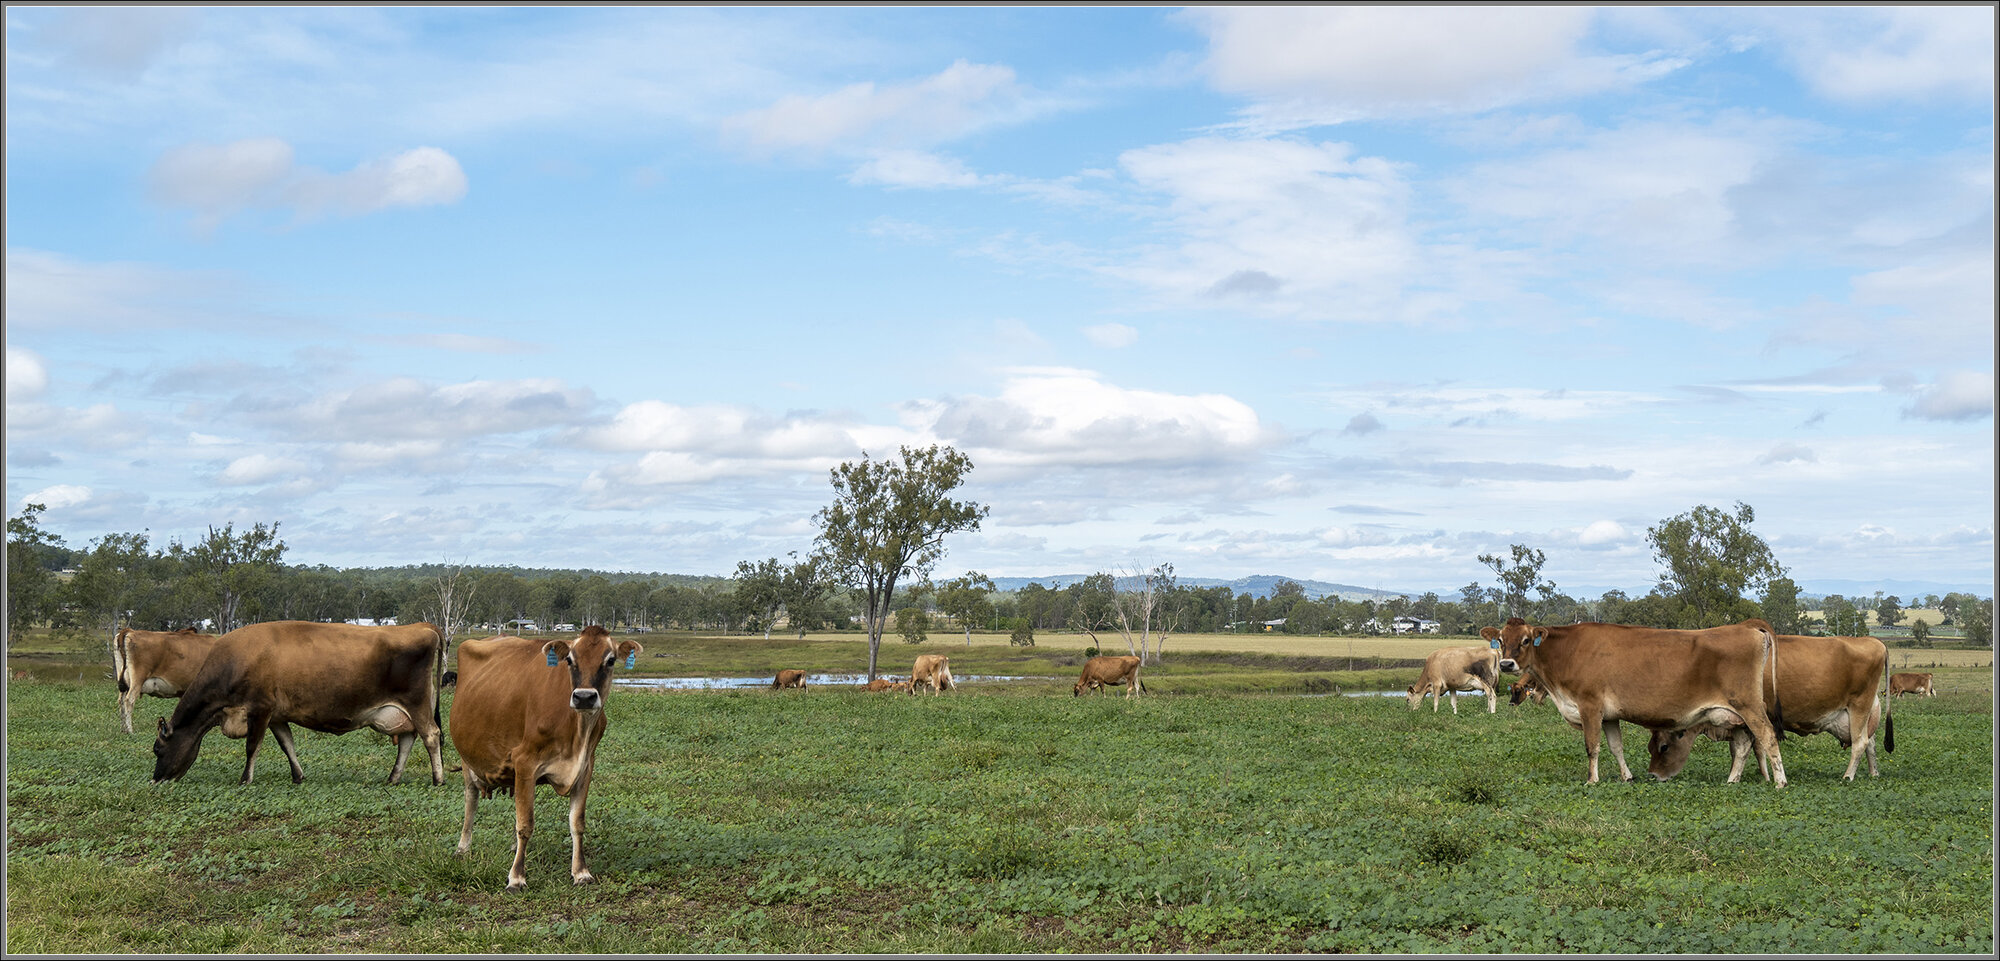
1206,816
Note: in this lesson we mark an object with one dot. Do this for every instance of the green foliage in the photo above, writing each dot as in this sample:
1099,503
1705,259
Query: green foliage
1023,636
30,587
1976,617
1524,574
1780,606
1889,611
964,600
914,623
888,521
1920,634
1007,822
1709,558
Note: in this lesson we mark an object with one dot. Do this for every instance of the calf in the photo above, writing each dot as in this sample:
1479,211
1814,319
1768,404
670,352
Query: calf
332,678
1601,674
1110,669
158,663
1524,689
1825,684
789,678
879,684
1911,684
1448,669
530,712
933,670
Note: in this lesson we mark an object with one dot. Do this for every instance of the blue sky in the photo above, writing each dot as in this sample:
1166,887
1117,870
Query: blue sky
1350,294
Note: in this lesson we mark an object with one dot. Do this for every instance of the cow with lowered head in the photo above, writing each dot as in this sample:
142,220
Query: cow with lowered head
158,663
331,678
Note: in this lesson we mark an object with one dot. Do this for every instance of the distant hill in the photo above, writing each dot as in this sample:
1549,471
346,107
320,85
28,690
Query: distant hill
1256,585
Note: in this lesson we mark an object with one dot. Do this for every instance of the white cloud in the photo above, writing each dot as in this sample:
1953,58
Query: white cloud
1958,395
405,408
1312,65
51,291
915,168
259,469
1111,335
1311,221
1058,416
218,181
58,497
652,425
1602,532
961,99
1788,453
27,376
1874,54
1362,424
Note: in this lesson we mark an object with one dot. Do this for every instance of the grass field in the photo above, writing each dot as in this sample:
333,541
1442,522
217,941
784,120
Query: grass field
1010,818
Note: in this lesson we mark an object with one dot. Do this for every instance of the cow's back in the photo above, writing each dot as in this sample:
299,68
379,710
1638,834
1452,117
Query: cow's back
1652,676
318,675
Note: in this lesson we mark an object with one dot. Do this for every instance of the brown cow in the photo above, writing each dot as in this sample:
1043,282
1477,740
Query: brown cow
789,678
332,678
1449,669
1911,684
1824,684
1110,669
159,663
879,684
1601,674
1524,689
531,712
933,670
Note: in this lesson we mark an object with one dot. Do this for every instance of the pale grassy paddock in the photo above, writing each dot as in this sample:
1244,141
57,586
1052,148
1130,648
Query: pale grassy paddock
1293,645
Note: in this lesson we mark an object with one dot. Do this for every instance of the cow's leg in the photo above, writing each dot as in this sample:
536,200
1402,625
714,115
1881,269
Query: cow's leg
434,744
577,872
1874,728
1492,699
1593,728
471,808
283,732
1767,744
252,740
1615,739
403,744
524,825
1453,688
128,699
1739,752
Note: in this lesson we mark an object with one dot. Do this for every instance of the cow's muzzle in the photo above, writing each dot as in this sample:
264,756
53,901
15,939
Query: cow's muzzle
585,699
1508,666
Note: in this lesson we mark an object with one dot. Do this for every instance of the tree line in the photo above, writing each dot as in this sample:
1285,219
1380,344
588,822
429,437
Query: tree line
879,542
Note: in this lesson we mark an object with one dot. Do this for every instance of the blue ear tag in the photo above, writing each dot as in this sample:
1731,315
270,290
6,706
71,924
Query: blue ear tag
1538,640
1493,644
552,656
631,658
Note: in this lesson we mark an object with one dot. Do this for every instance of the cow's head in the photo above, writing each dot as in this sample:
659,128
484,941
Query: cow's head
1512,638
590,658
175,749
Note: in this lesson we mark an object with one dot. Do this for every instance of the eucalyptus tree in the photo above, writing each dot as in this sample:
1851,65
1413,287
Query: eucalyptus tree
964,600
1709,558
30,585
1518,578
225,568
888,521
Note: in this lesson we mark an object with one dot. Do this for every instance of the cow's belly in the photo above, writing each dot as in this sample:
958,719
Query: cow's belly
159,687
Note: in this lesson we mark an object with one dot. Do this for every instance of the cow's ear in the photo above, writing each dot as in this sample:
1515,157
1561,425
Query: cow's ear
166,730
1490,633
556,651
630,651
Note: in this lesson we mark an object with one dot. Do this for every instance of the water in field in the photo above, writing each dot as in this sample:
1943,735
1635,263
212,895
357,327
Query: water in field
812,680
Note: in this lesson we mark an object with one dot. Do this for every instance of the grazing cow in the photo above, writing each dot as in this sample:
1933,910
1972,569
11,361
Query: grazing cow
159,663
933,670
879,684
1601,674
1525,689
1448,669
1911,684
531,712
450,679
1110,669
1825,684
331,678
789,678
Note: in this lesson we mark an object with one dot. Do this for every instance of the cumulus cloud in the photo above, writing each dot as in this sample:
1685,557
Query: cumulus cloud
27,376
216,181
59,497
1960,395
1112,335
720,430
1060,416
259,469
1599,533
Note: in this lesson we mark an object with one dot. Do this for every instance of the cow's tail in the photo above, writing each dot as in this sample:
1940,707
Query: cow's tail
437,678
121,661
1771,657
1888,710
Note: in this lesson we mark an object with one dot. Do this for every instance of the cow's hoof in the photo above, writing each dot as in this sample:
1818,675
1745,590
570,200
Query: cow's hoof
584,877
521,885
